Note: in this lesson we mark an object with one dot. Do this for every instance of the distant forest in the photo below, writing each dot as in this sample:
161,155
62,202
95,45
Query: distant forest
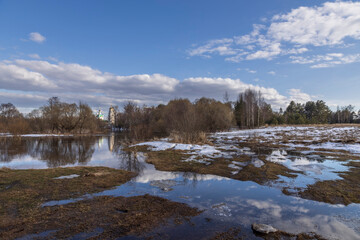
180,119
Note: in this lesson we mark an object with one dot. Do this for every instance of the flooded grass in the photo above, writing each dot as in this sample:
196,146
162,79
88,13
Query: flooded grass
281,235
22,191
344,191
303,180
310,149
171,160
102,217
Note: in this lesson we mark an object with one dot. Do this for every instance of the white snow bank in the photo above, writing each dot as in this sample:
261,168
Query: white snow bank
206,150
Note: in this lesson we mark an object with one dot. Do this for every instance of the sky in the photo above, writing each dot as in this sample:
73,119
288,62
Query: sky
111,52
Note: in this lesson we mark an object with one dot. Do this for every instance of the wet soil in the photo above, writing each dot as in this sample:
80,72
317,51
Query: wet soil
340,191
343,191
172,160
236,234
22,191
100,218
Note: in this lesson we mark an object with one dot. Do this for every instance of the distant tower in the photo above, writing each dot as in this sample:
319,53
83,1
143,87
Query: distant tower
112,115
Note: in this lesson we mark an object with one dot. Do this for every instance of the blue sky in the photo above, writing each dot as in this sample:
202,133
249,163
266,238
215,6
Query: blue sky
110,52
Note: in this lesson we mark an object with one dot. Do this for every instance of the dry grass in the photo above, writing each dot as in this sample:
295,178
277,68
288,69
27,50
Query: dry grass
22,191
114,216
343,191
172,160
189,137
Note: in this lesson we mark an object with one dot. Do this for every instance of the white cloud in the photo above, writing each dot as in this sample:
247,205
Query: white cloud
328,24
291,33
220,46
268,52
215,88
327,60
298,96
20,79
36,37
272,73
17,78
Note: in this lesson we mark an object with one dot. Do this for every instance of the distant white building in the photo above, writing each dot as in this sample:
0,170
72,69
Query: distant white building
112,115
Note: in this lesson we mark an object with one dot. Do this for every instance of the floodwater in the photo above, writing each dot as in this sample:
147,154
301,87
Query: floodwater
226,202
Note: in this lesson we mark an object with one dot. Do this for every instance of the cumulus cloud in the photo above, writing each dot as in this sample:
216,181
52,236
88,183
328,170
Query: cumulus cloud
32,81
36,37
298,96
328,24
15,77
292,33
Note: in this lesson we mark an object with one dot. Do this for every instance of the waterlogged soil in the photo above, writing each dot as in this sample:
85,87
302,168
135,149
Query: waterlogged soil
236,234
302,180
310,144
343,191
171,160
100,218
22,191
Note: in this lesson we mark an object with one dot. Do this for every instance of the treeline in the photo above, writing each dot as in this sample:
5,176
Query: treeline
180,119
315,113
250,110
54,117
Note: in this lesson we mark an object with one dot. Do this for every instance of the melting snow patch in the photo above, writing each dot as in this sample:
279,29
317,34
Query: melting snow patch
257,163
68,176
277,156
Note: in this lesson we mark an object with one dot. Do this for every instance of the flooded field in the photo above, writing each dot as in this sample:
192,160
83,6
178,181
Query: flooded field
296,179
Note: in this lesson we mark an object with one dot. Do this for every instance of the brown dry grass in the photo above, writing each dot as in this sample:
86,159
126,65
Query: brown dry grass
172,160
114,216
343,191
189,137
21,191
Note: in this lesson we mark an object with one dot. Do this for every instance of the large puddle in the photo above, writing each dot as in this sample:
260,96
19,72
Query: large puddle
227,202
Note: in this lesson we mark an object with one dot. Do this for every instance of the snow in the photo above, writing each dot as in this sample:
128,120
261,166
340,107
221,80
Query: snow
202,150
68,176
330,136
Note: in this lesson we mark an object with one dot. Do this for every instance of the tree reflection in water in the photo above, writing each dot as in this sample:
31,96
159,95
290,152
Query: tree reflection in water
63,151
11,148
54,151
128,160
